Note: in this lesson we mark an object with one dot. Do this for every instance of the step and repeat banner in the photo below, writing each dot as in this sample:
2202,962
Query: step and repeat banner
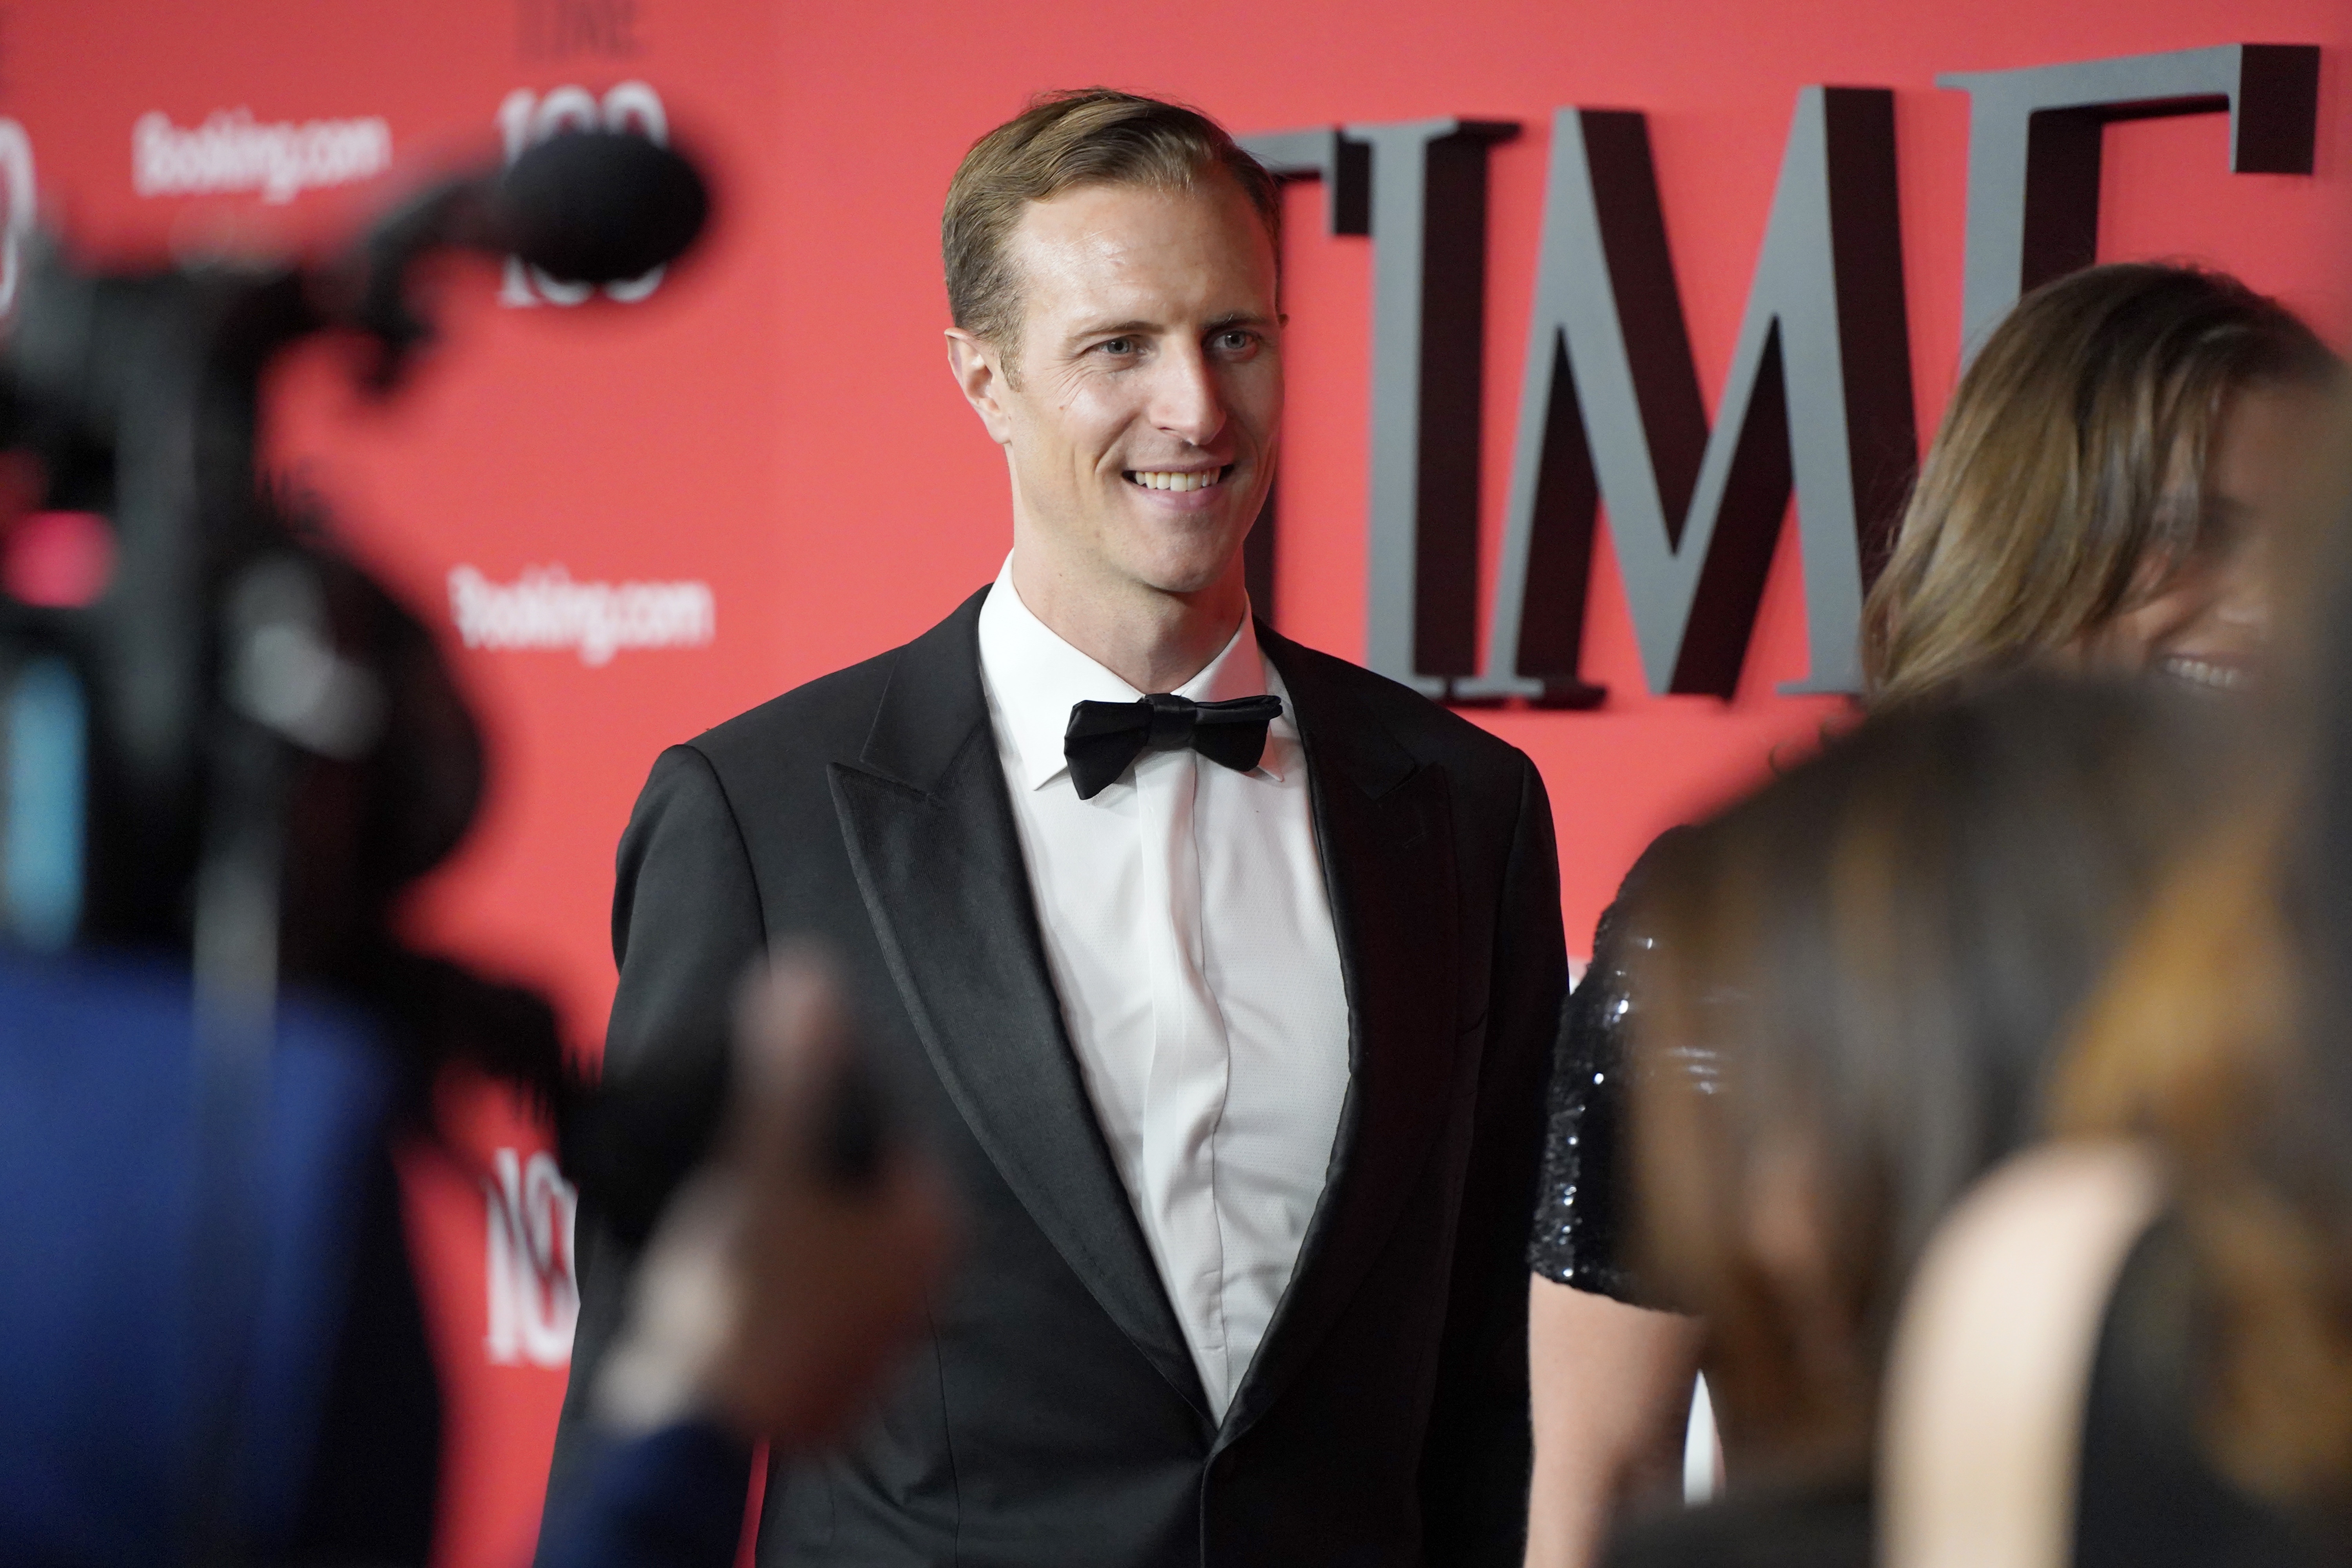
1547,266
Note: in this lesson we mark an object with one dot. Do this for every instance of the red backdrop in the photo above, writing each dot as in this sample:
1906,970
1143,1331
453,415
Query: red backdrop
774,419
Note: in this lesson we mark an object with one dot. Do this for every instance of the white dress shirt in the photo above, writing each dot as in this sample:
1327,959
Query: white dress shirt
1190,937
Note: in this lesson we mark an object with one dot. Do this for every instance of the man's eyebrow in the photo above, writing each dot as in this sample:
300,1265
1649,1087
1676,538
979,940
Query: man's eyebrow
1114,328
1136,324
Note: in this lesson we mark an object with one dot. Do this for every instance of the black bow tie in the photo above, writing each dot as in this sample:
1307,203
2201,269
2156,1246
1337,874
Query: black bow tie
1105,738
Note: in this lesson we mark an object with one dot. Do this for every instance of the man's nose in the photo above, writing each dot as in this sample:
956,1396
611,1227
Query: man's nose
1186,400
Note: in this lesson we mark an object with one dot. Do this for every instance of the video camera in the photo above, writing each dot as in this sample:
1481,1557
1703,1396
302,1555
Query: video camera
217,734
224,750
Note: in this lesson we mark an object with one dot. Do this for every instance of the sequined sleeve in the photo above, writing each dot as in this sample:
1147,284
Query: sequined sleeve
1580,1235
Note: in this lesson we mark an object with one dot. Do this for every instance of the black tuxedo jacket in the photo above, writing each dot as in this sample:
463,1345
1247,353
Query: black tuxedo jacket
1054,1415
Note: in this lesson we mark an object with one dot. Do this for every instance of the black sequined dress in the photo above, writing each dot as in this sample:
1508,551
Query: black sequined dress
1582,1231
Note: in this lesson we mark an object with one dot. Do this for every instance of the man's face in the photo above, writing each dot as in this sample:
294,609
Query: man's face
1143,403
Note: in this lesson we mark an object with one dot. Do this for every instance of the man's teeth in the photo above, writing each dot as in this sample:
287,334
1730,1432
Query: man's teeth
1152,481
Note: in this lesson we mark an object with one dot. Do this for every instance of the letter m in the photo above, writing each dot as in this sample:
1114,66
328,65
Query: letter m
1819,401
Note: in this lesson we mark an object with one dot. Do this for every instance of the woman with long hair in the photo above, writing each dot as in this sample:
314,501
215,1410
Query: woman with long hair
1877,955
2103,495
2217,1041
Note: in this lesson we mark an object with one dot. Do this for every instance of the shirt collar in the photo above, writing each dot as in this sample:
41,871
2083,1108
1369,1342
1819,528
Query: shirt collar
1034,677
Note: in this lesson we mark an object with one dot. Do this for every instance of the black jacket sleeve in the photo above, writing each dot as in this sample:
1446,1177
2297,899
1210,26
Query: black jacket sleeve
1474,1466
686,927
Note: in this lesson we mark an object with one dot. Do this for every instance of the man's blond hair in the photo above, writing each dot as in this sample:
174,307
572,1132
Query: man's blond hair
1093,136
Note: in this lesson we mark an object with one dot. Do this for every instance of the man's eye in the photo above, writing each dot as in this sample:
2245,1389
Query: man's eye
1236,342
1118,347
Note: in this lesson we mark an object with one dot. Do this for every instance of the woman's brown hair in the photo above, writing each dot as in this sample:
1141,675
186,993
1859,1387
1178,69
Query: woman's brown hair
2068,479
2219,1036
2202,1042
1879,953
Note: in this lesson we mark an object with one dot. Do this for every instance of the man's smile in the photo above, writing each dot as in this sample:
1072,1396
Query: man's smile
1178,478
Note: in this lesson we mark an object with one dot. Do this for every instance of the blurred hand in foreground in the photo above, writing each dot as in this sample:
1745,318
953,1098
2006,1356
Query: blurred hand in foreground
792,1268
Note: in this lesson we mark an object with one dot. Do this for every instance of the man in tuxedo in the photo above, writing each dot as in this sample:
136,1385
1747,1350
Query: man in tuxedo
1224,973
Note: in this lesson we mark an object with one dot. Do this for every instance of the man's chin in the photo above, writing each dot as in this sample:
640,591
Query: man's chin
1187,567
1184,554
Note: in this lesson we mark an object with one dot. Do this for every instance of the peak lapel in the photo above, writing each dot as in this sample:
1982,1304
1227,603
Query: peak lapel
1385,824
931,838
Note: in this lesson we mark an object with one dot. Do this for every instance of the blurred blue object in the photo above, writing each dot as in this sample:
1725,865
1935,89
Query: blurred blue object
46,743
670,1498
102,1270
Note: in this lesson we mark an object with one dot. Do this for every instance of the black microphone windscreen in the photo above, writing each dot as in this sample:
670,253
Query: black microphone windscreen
598,206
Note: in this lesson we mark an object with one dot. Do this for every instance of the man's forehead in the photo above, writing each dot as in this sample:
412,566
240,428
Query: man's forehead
1140,251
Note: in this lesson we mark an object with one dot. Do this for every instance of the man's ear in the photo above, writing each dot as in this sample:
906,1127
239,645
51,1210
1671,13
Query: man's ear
980,372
